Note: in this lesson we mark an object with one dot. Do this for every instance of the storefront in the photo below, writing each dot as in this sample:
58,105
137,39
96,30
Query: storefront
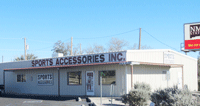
80,75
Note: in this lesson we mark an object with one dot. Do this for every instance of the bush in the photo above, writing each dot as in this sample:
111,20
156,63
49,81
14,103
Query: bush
139,95
173,97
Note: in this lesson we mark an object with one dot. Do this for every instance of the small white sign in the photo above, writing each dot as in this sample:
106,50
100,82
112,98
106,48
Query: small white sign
45,79
168,58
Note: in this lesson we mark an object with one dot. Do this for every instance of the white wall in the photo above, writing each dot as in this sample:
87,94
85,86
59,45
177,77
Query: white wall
30,86
156,56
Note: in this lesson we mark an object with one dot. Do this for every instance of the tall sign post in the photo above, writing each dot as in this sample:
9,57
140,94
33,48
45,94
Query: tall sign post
101,87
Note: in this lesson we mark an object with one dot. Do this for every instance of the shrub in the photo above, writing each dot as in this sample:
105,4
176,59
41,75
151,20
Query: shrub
139,95
173,97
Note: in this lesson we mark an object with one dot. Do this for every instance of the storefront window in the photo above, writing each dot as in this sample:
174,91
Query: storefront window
74,78
108,77
21,78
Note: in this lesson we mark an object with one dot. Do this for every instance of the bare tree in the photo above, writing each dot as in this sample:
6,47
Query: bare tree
95,49
116,44
61,47
29,57
65,48
135,47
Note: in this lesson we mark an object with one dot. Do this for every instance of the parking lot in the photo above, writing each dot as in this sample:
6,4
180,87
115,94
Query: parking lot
41,101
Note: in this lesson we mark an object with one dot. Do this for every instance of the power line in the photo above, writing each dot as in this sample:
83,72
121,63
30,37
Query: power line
39,41
10,50
11,38
160,41
110,35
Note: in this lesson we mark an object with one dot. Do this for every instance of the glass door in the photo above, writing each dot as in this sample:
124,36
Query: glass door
90,82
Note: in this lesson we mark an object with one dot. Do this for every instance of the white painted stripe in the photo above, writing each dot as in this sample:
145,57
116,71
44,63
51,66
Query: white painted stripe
35,101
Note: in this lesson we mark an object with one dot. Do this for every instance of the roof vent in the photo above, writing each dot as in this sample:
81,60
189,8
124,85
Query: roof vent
57,55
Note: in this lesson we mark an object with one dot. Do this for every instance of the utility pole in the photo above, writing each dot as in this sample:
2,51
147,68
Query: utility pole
80,49
139,39
2,59
71,44
25,49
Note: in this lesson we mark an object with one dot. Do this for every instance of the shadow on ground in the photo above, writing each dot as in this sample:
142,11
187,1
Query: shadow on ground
54,98
113,105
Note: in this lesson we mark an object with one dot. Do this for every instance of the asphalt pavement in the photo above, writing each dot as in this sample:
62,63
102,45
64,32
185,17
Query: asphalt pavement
42,101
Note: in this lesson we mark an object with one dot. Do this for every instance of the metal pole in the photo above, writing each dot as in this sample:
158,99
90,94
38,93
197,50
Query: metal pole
2,59
25,49
71,44
139,39
101,89
131,76
58,82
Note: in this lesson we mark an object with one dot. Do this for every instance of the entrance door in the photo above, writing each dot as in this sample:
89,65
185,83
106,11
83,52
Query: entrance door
90,82
180,80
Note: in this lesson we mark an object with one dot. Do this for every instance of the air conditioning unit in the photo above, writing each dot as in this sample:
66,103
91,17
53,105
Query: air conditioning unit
57,55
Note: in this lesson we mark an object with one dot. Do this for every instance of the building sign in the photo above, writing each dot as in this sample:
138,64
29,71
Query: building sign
168,58
82,59
192,36
45,79
90,82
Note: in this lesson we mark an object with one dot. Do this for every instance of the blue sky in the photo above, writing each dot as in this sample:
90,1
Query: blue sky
45,22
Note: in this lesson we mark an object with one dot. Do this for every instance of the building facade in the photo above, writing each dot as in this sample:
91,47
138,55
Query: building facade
80,75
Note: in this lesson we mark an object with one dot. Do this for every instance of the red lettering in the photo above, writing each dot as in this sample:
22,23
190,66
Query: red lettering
96,58
74,60
79,59
102,58
51,62
65,60
89,59
47,60
61,61
93,58
33,63
70,60
84,59
40,62
43,62
36,62
118,58
57,62
113,57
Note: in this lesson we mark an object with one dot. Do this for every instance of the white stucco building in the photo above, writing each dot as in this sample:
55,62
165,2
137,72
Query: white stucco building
80,75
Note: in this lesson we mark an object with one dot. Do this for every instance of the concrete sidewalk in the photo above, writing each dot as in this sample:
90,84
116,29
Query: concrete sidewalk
116,101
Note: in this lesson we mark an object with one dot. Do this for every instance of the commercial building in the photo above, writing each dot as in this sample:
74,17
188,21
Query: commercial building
80,75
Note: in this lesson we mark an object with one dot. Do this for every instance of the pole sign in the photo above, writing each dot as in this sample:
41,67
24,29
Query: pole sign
192,36
82,59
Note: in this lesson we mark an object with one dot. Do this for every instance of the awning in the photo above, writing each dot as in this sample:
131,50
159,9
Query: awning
93,64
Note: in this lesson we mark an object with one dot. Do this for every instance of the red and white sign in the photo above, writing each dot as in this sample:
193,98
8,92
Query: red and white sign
82,59
192,36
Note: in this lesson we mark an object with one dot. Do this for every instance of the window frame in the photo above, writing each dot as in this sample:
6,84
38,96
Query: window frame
22,79
81,78
102,77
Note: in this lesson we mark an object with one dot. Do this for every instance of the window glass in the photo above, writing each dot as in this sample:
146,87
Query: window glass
74,78
21,78
108,77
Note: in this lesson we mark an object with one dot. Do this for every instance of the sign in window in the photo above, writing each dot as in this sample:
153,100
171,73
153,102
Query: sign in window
45,79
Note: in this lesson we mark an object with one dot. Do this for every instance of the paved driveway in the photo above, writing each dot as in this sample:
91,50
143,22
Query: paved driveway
41,101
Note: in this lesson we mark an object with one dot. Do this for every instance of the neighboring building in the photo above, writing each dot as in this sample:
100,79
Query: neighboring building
80,75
